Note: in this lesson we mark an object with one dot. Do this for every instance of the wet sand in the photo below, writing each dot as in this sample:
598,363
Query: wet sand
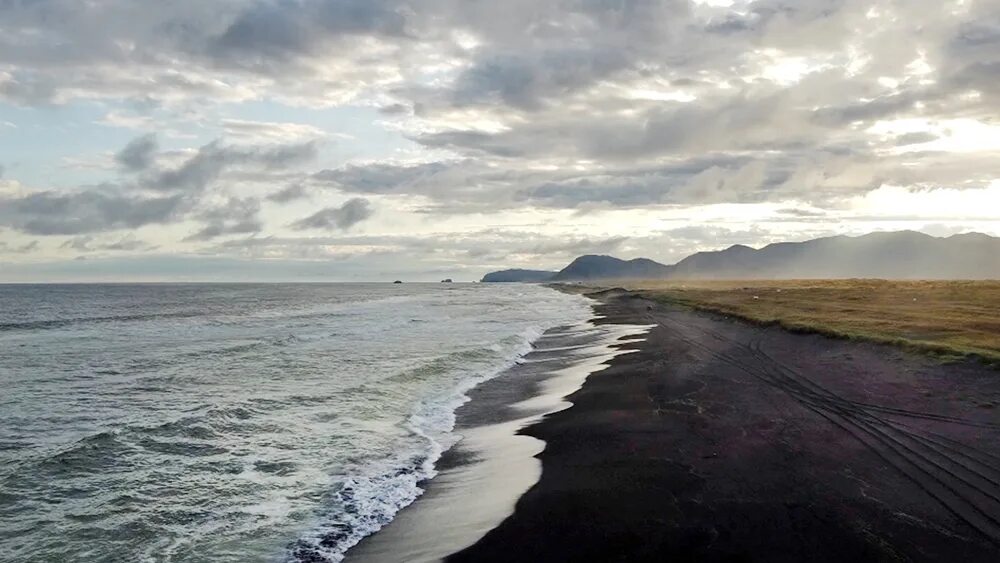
720,441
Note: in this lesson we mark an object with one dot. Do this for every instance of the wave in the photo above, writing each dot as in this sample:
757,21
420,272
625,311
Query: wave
100,452
369,497
60,323
363,504
114,449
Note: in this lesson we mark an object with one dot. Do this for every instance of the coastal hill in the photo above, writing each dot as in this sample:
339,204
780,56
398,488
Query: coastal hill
516,275
592,267
893,255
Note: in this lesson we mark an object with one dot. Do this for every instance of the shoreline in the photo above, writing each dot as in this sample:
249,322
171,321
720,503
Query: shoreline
479,480
717,440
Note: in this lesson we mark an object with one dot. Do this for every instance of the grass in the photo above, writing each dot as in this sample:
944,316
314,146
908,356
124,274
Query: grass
951,319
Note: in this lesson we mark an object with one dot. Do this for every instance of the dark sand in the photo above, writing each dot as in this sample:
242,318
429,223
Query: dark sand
721,441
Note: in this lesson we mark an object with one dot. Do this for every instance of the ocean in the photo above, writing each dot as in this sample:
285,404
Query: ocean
238,422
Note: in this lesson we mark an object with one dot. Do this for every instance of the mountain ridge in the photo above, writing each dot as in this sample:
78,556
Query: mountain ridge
893,255
591,266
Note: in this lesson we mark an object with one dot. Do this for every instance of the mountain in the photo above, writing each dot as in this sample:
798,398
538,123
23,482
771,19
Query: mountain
893,255
516,275
593,267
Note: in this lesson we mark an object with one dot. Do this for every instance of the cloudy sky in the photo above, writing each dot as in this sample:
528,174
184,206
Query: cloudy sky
420,139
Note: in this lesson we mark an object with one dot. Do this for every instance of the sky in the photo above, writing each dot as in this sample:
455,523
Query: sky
356,140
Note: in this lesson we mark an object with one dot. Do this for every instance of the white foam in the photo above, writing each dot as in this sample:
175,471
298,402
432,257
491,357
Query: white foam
477,497
379,491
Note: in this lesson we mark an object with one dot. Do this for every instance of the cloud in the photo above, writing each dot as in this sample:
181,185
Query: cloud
161,188
524,83
801,213
477,116
27,90
211,160
291,193
25,248
352,212
139,154
575,247
915,138
55,213
215,230
235,216
469,185
701,181
280,31
381,178
89,243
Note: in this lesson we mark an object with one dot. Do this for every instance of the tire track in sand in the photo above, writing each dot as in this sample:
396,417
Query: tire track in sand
959,476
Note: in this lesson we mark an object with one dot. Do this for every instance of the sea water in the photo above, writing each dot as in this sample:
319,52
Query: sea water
215,422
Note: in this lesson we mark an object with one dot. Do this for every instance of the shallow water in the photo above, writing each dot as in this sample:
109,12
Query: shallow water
237,422
484,475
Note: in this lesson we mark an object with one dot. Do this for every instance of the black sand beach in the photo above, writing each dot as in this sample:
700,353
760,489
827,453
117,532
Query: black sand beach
721,441
481,478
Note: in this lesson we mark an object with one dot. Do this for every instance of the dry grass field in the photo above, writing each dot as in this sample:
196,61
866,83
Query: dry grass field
949,318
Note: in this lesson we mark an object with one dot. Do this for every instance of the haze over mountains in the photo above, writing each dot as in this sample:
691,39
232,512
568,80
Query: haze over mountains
894,255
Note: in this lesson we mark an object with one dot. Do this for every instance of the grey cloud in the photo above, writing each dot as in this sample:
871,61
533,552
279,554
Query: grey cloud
22,249
211,160
280,31
235,216
754,119
731,24
89,243
81,243
194,175
468,185
110,207
186,50
54,213
804,213
979,76
351,213
395,109
504,145
380,178
817,174
215,230
127,245
138,155
575,247
27,90
914,139
972,54
521,82
291,193
883,107
700,181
